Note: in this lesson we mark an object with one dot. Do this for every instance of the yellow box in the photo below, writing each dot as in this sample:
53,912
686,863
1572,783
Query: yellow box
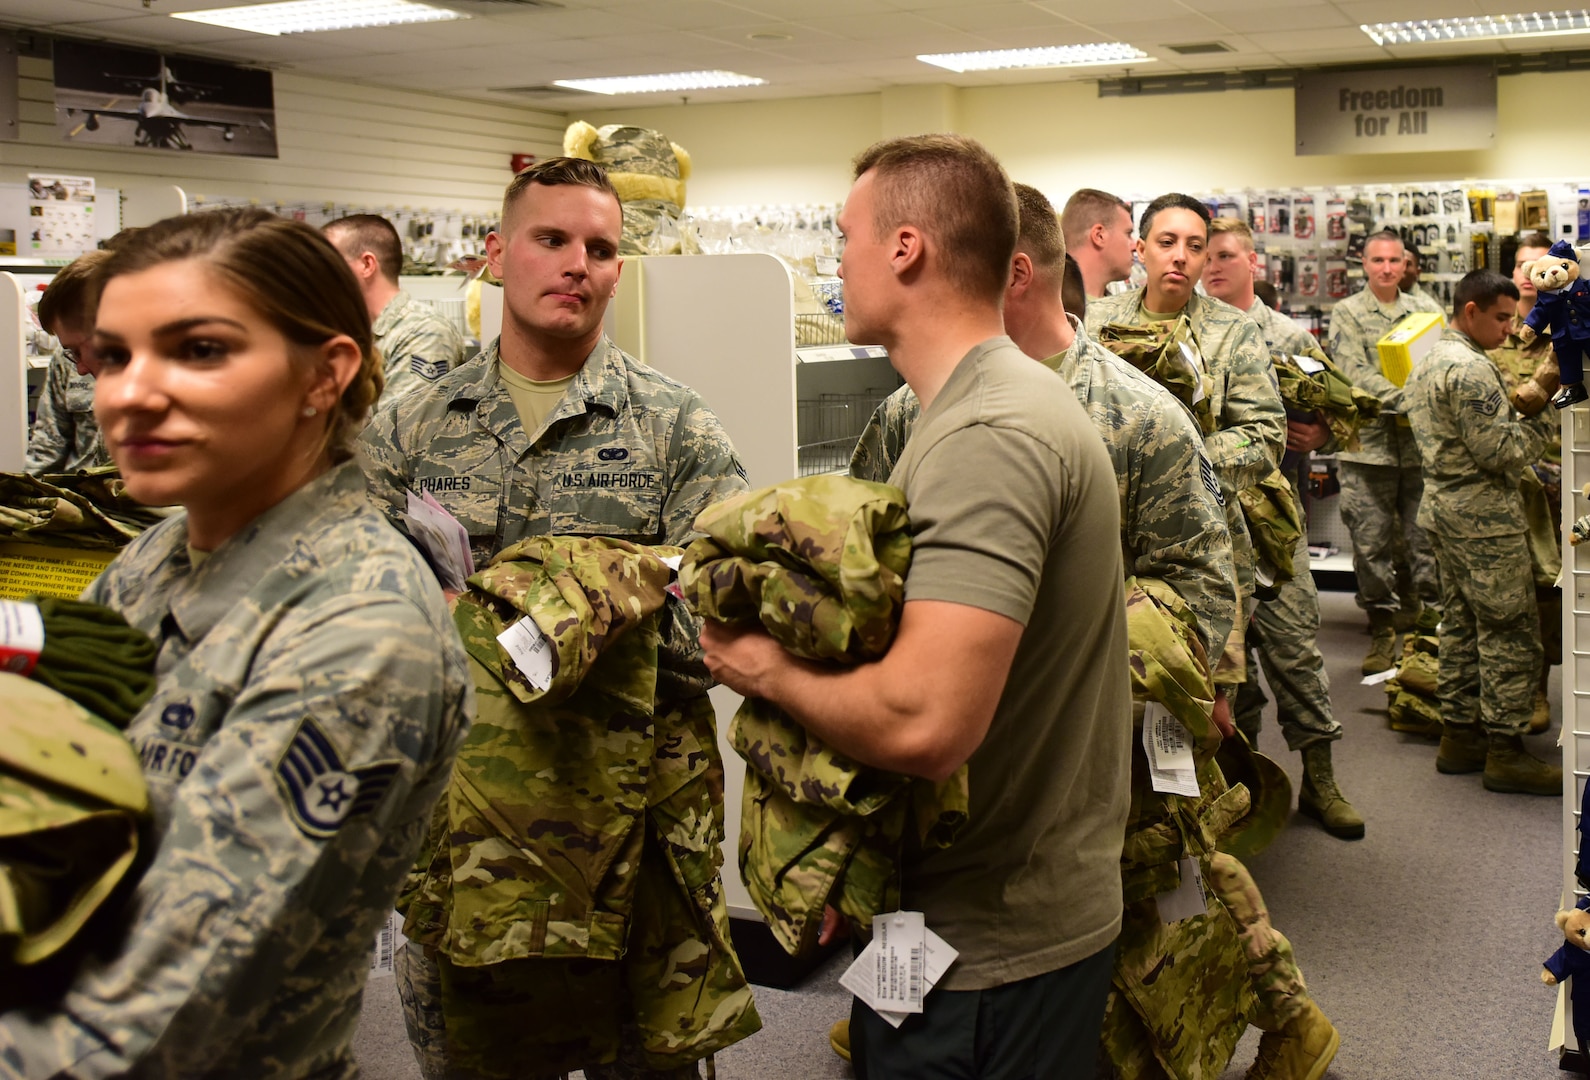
1406,344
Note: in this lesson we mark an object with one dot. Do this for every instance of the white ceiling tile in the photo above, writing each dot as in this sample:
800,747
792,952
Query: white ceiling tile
982,18
815,9
885,28
1090,11
1302,17
1369,52
1035,37
1373,11
152,30
1188,28
685,15
1340,38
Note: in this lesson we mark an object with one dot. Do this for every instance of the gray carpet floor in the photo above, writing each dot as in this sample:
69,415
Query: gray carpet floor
1422,942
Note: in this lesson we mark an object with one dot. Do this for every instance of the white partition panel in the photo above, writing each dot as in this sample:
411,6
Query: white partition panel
13,376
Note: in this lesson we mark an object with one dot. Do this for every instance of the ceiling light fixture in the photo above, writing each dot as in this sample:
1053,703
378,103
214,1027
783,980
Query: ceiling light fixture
311,16
1479,28
1108,52
656,84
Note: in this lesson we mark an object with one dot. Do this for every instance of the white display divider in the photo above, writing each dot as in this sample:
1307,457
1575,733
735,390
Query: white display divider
1575,739
13,376
145,206
725,326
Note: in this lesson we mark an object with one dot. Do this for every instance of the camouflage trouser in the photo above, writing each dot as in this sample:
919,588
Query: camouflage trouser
1490,633
1286,631
565,986
1272,971
1378,502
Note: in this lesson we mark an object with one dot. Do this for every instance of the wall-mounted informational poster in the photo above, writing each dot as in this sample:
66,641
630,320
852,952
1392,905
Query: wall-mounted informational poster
60,216
111,95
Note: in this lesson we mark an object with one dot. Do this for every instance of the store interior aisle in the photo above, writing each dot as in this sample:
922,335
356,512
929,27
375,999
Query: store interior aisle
1422,942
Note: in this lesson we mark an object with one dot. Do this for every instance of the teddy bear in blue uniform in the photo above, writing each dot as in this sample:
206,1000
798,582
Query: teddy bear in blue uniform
1562,302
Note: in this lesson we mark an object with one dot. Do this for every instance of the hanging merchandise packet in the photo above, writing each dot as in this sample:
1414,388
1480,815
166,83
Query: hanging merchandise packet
444,539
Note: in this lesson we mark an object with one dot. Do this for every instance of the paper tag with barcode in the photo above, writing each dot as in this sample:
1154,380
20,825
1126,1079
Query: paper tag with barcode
1187,899
388,940
1169,751
901,937
939,957
21,636
531,651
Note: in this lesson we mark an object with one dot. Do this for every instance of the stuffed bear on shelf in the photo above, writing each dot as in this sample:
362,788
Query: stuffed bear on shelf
1562,302
1573,959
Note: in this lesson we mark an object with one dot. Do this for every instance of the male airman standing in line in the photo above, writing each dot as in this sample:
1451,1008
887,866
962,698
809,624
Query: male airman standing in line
554,430
1381,480
1517,363
1474,446
65,435
1098,234
417,345
1285,629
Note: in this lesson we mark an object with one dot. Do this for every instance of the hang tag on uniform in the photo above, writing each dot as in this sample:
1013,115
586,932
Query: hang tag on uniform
859,978
21,636
531,651
1195,364
1187,899
1169,751
1308,364
895,979
389,940
672,562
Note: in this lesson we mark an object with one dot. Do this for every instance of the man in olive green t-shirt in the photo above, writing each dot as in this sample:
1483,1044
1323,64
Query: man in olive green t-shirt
1011,652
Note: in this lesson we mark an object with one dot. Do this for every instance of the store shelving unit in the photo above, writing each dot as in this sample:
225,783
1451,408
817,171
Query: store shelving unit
1575,739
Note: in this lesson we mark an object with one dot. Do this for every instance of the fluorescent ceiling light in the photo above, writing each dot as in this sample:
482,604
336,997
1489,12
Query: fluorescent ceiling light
654,84
1109,52
1479,28
308,16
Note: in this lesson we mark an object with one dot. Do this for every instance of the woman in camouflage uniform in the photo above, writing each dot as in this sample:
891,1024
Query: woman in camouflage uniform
311,690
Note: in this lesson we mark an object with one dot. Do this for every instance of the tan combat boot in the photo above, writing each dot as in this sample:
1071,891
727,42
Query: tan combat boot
1540,719
1322,800
1512,769
1464,748
1302,1050
1382,653
839,1038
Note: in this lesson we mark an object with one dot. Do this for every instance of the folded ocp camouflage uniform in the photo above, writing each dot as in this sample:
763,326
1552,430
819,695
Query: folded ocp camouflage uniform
569,805
1180,997
1275,524
1413,693
86,509
1168,353
1327,391
820,563
72,796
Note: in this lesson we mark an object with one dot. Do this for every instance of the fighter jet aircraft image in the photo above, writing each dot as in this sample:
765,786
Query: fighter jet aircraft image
160,123
113,95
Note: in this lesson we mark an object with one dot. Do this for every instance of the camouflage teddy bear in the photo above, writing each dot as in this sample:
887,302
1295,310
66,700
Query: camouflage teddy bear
649,173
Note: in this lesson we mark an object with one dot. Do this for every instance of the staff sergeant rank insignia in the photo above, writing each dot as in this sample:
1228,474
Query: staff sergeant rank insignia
321,794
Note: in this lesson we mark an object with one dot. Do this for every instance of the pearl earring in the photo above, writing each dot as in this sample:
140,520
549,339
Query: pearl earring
310,410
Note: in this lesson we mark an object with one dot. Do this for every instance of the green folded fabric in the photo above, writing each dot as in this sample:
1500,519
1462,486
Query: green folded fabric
93,657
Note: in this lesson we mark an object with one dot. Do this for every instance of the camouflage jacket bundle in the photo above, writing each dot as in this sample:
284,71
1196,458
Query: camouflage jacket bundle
820,563
1312,383
566,803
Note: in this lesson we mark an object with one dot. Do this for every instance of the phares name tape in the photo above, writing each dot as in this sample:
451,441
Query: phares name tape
21,636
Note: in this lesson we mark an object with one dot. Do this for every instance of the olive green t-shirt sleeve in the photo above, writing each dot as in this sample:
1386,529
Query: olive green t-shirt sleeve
984,510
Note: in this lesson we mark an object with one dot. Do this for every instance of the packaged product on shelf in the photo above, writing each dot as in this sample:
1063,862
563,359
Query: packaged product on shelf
1282,272
1482,204
1336,219
1303,219
1534,210
1336,278
1507,212
1584,214
1385,204
1405,204
1479,251
1453,202
1308,276
1256,220
1280,215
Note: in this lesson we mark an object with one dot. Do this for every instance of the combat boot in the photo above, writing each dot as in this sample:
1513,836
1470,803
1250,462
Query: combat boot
1464,749
1540,719
1322,800
839,1038
1510,768
1302,1050
1383,645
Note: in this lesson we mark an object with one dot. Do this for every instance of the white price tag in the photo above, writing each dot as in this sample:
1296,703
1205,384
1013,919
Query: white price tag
1186,900
1308,364
388,940
859,978
1379,677
892,982
531,651
1195,365
1169,750
672,562
21,636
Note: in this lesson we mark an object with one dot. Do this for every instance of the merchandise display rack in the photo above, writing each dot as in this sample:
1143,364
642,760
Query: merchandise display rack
1575,739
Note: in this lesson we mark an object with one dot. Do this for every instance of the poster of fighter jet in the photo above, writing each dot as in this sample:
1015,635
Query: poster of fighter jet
110,95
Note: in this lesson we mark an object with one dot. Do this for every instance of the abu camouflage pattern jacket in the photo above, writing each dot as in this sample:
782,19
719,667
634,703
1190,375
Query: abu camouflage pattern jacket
563,800
417,345
1472,442
65,435
820,562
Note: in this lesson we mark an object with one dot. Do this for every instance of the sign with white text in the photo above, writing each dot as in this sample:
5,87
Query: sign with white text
1396,111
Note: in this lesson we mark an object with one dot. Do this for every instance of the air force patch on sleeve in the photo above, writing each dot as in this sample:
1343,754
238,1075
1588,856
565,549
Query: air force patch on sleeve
321,793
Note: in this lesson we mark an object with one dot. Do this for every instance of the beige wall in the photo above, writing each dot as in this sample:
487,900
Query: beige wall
1062,136
338,141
